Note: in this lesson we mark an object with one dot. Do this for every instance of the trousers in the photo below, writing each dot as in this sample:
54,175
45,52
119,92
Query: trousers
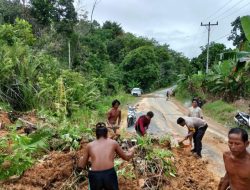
198,135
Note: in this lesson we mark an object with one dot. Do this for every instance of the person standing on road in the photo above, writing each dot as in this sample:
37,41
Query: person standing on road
200,127
113,115
168,93
237,162
102,175
195,111
141,125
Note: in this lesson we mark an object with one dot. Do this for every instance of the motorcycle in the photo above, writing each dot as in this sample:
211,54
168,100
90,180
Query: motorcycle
242,119
131,118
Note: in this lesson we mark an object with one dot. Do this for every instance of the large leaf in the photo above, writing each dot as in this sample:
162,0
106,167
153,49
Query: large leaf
245,22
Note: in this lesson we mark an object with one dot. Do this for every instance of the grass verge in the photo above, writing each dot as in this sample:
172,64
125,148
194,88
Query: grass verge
220,111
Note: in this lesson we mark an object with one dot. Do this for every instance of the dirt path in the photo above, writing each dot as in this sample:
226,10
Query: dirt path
164,121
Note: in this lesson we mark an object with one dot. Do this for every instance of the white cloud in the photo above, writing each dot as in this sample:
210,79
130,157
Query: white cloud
175,22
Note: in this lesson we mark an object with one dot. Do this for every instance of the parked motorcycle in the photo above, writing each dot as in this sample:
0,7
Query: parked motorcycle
242,119
131,118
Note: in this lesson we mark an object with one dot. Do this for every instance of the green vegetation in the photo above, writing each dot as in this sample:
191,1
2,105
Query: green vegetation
71,90
104,60
69,68
19,156
220,110
228,78
154,155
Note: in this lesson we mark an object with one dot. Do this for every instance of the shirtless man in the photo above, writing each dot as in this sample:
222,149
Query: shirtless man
102,175
237,162
114,114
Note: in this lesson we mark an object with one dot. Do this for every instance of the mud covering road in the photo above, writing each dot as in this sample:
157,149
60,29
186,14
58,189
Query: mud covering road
164,121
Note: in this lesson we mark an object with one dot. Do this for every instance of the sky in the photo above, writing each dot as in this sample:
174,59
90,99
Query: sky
173,22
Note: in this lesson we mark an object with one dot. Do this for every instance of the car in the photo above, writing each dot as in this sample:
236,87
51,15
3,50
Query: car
136,92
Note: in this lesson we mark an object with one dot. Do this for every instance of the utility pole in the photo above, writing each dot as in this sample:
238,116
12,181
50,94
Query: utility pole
208,42
69,54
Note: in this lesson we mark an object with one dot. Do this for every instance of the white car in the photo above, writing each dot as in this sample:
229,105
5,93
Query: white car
136,92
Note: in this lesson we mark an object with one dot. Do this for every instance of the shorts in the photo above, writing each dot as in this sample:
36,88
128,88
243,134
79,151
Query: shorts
103,180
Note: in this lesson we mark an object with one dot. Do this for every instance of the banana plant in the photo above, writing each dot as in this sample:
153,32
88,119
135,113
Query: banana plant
22,150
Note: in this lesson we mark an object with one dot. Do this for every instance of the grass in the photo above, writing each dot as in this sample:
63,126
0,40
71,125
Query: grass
99,113
4,106
182,94
220,111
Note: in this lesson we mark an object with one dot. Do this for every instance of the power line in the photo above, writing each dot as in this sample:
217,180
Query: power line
221,37
218,10
235,11
216,18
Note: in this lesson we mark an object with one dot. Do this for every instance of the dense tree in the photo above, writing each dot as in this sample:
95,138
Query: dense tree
214,50
114,48
237,33
10,10
43,11
60,13
115,28
141,68
104,57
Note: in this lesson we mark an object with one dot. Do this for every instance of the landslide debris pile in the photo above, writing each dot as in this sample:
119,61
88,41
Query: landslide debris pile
192,173
154,167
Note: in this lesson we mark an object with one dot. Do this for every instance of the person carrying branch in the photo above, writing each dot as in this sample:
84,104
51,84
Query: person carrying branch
197,128
102,175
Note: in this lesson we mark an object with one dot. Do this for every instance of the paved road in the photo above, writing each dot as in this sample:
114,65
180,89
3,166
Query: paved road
164,122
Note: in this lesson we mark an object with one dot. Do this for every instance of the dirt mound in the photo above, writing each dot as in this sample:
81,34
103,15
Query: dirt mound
192,173
57,171
125,184
4,118
48,174
31,117
51,173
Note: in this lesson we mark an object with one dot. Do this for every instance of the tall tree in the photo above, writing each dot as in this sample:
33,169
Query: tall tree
61,13
66,16
43,10
214,50
237,33
141,68
10,10
115,28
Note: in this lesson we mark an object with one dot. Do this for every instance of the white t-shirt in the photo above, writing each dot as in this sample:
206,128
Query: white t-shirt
194,122
195,112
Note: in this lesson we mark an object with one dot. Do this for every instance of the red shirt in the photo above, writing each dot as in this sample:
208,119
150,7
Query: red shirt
143,123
